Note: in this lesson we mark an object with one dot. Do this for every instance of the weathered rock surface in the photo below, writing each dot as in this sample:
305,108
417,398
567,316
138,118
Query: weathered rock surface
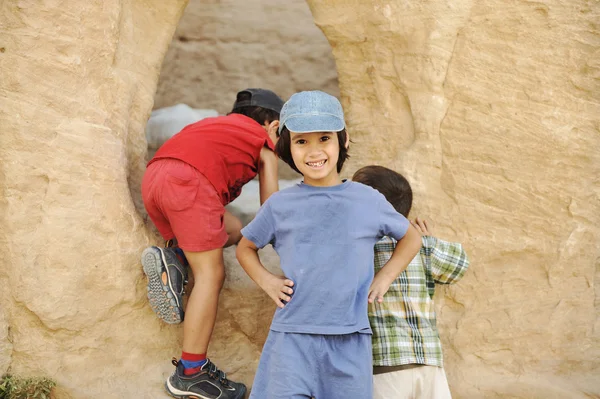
5,342
77,87
493,112
221,47
491,109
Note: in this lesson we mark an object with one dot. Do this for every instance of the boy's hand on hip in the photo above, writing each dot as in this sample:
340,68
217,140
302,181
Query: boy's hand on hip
421,226
279,289
379,287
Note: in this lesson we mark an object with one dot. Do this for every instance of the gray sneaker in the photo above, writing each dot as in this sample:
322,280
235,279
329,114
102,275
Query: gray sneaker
166,279
208,383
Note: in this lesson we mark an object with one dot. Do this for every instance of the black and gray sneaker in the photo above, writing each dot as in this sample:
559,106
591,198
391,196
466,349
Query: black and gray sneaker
166,279
208,383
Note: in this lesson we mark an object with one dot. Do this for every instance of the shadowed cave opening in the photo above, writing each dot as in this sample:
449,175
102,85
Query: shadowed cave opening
220,48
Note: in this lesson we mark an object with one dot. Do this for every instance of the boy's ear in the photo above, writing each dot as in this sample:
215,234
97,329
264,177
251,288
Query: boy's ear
347,140
268,126
272,130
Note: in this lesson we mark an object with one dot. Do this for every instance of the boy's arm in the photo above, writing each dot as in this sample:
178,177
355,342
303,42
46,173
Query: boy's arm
277,287
406,249
267,174
446,262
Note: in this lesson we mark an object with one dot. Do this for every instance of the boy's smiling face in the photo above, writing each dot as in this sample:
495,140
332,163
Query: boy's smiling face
316,156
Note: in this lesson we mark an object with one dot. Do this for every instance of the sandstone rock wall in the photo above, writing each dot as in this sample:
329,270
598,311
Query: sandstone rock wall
221,47
492,109
77,86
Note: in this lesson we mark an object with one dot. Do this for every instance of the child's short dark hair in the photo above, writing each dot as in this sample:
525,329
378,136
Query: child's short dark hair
259,114
394,187
283,150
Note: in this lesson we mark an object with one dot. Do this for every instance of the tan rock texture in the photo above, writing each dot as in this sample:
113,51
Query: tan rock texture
492,109
221,47
77,86
5,342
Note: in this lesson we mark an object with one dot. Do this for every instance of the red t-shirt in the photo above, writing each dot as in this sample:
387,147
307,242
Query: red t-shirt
225,149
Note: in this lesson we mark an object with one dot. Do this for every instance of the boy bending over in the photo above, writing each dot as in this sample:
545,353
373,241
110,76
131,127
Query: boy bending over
185,189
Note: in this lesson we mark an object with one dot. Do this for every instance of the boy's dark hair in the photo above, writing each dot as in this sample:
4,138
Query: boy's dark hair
283,150
394,187
246,104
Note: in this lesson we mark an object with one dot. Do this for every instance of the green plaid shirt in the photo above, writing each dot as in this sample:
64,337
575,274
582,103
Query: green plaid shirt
404,324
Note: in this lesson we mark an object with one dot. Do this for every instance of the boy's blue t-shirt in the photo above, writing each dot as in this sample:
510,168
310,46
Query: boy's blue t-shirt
325,237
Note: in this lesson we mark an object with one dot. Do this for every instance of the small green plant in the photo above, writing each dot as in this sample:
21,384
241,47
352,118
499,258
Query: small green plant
12,387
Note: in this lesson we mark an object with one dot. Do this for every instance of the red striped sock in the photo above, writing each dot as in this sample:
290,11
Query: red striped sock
192,362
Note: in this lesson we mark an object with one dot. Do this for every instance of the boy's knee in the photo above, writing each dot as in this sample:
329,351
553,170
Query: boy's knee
207,267
215,274
233,238
233,226
220,277
212,278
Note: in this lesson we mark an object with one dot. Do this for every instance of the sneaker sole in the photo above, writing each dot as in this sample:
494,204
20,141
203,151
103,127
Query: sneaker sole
163,300
187,395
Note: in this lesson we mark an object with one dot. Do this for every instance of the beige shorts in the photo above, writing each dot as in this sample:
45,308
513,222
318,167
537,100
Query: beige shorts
412,382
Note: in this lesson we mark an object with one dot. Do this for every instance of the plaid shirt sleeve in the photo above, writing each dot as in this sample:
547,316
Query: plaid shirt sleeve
446,261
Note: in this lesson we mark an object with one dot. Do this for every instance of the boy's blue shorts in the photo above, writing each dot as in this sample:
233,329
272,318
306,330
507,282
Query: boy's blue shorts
301,366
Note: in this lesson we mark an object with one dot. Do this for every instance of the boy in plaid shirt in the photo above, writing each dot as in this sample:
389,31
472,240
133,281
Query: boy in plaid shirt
407,353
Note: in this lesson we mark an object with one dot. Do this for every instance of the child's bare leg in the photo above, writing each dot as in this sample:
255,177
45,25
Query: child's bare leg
233,225
201,311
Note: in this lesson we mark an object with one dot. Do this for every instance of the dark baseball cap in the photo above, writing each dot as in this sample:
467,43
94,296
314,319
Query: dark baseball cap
259,98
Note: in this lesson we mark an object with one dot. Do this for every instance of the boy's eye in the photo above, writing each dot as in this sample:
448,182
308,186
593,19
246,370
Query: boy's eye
300,141
325,138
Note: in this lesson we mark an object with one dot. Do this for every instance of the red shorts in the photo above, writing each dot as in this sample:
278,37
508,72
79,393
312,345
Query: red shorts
183,204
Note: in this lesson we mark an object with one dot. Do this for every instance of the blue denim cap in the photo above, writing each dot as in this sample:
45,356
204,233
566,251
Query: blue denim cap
312,111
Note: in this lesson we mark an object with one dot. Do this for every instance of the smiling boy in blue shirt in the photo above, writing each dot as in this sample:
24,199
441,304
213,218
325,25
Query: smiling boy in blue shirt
324,230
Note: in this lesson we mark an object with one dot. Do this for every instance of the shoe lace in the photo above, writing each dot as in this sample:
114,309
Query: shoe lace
211,370
216,374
